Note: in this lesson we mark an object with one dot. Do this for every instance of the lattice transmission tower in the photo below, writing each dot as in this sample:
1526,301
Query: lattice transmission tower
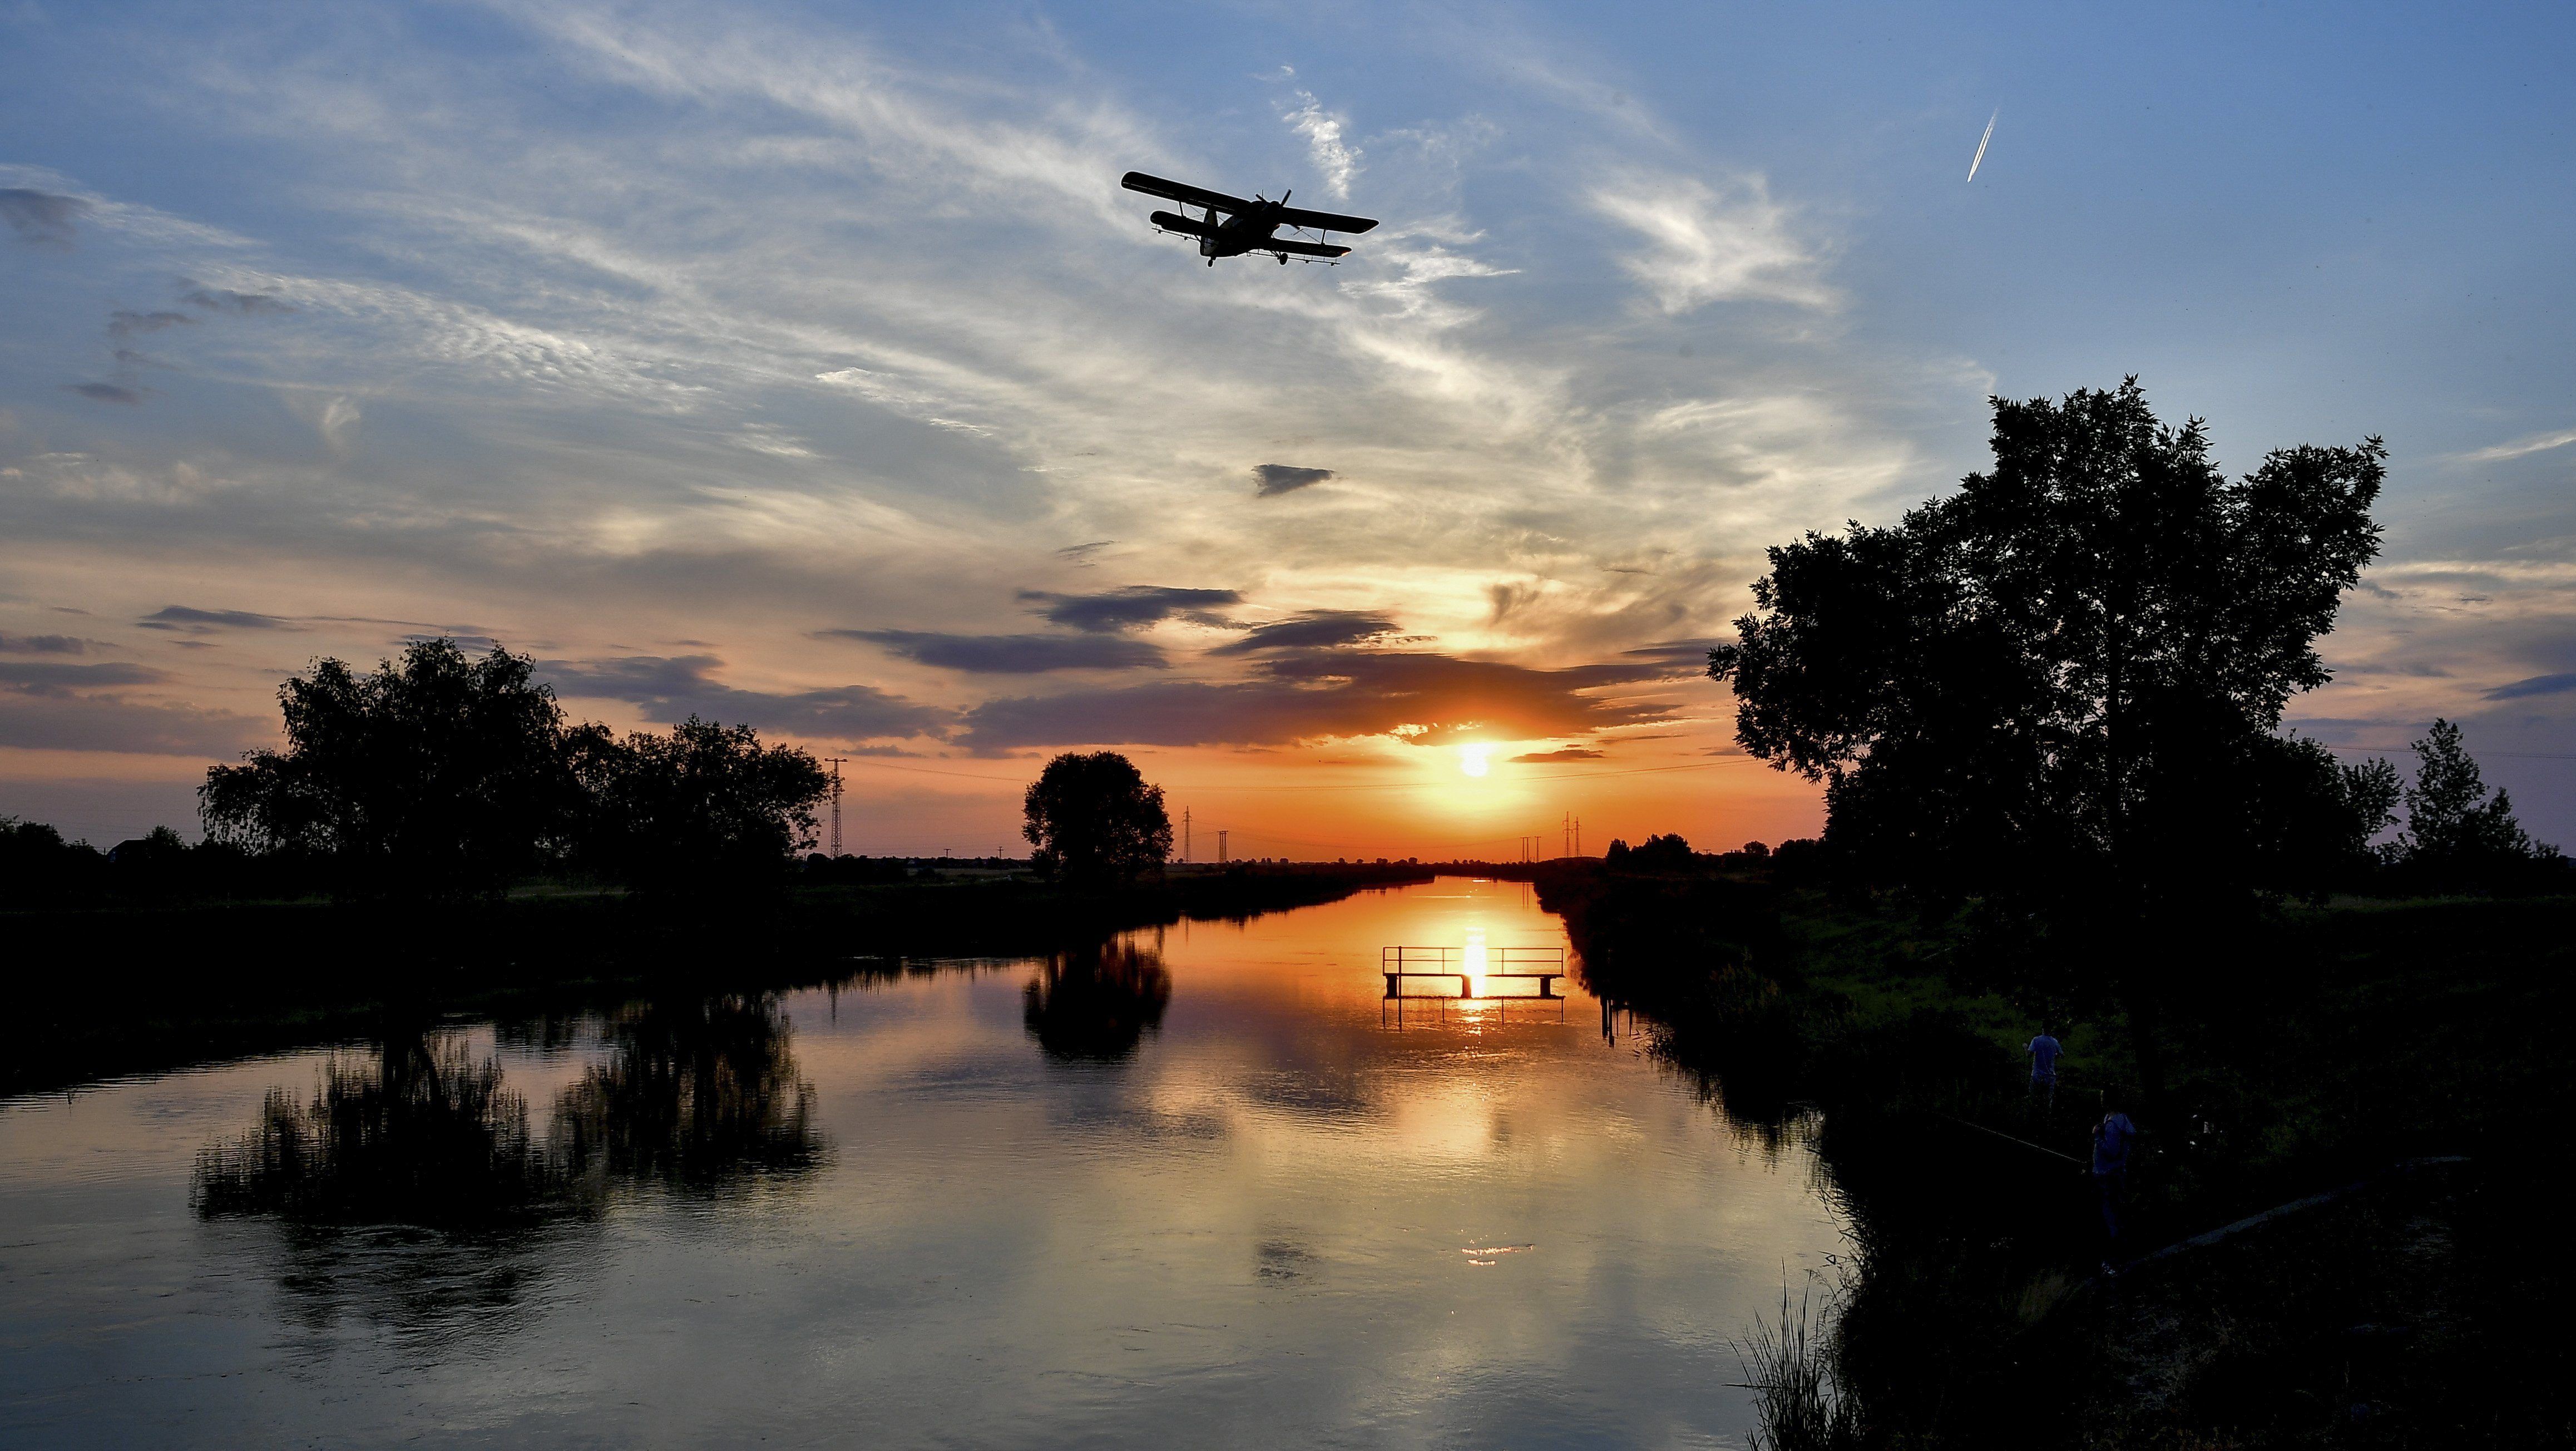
836,803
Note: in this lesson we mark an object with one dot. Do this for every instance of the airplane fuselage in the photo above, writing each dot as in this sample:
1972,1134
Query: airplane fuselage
1244,231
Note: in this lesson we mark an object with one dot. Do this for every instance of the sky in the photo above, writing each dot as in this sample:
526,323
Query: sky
805,365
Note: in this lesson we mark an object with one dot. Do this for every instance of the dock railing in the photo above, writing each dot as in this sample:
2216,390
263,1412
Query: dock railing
1406,966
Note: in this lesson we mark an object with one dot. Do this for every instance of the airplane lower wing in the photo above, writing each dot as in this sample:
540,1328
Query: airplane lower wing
1185,194
1170,222
1302,249
1324,221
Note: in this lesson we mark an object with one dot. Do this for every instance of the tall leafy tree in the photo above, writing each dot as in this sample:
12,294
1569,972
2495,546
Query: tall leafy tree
435,775
2076,666
1093,819
2063,685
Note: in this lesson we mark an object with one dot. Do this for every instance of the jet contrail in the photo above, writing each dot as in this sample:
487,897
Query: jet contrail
1981,143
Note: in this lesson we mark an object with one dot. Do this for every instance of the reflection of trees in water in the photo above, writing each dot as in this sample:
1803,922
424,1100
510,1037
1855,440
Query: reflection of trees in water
694,1094
412,1190
1097,1002
421,1135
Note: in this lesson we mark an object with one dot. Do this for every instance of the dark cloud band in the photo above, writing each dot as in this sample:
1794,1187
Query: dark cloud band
1311,630
1131,608
668,688
41,216
1013,654
1426,698
1272,480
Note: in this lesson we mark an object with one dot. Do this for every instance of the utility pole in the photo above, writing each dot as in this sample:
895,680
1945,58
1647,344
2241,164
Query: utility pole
836,803
1565,828
1578,836
1185,835
1220,848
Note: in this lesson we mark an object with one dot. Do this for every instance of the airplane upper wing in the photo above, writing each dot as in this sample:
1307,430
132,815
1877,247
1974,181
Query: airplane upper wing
1303,249
1324,221
1196,196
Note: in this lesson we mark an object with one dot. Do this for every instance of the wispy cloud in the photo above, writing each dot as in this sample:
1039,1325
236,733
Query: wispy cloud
2558,684
1335,160
2535,443
1704,244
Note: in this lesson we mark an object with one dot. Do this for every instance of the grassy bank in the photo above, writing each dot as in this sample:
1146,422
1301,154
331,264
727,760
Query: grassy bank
2303,1053
102,992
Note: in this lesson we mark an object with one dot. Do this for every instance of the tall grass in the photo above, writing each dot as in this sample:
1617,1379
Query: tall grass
1798,1392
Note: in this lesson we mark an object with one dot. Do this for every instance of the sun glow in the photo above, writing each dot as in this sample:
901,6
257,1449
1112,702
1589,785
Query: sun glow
1471,759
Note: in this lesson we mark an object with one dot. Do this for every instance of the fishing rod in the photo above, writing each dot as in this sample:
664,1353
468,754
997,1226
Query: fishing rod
2009,1139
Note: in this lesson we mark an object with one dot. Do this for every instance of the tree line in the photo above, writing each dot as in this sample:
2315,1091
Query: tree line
2456,836
441,776
444,776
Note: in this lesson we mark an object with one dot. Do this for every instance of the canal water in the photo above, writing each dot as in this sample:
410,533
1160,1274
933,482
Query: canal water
1197,1188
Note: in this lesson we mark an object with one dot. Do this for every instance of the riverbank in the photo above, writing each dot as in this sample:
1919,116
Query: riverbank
105,992
2308,1051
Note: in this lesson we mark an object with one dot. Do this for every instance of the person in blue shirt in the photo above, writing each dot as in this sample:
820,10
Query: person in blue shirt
2043,1067
2112,1138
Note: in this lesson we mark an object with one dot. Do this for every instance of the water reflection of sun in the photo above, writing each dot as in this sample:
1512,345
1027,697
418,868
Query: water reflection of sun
1475,963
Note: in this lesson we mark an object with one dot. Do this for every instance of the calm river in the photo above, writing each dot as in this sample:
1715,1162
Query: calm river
1200,1188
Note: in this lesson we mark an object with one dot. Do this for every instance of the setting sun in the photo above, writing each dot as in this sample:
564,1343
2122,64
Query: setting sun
1471,759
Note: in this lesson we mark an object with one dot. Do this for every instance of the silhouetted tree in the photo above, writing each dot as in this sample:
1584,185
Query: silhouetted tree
1093,819
38,867
2065,682
2457,835
1665,853
706,808
438,776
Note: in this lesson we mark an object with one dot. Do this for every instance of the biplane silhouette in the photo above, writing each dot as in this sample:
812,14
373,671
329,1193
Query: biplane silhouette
1246,225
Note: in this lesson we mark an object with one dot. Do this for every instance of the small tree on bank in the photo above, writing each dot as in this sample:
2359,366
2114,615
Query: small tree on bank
2456,835
1093,820
706,808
